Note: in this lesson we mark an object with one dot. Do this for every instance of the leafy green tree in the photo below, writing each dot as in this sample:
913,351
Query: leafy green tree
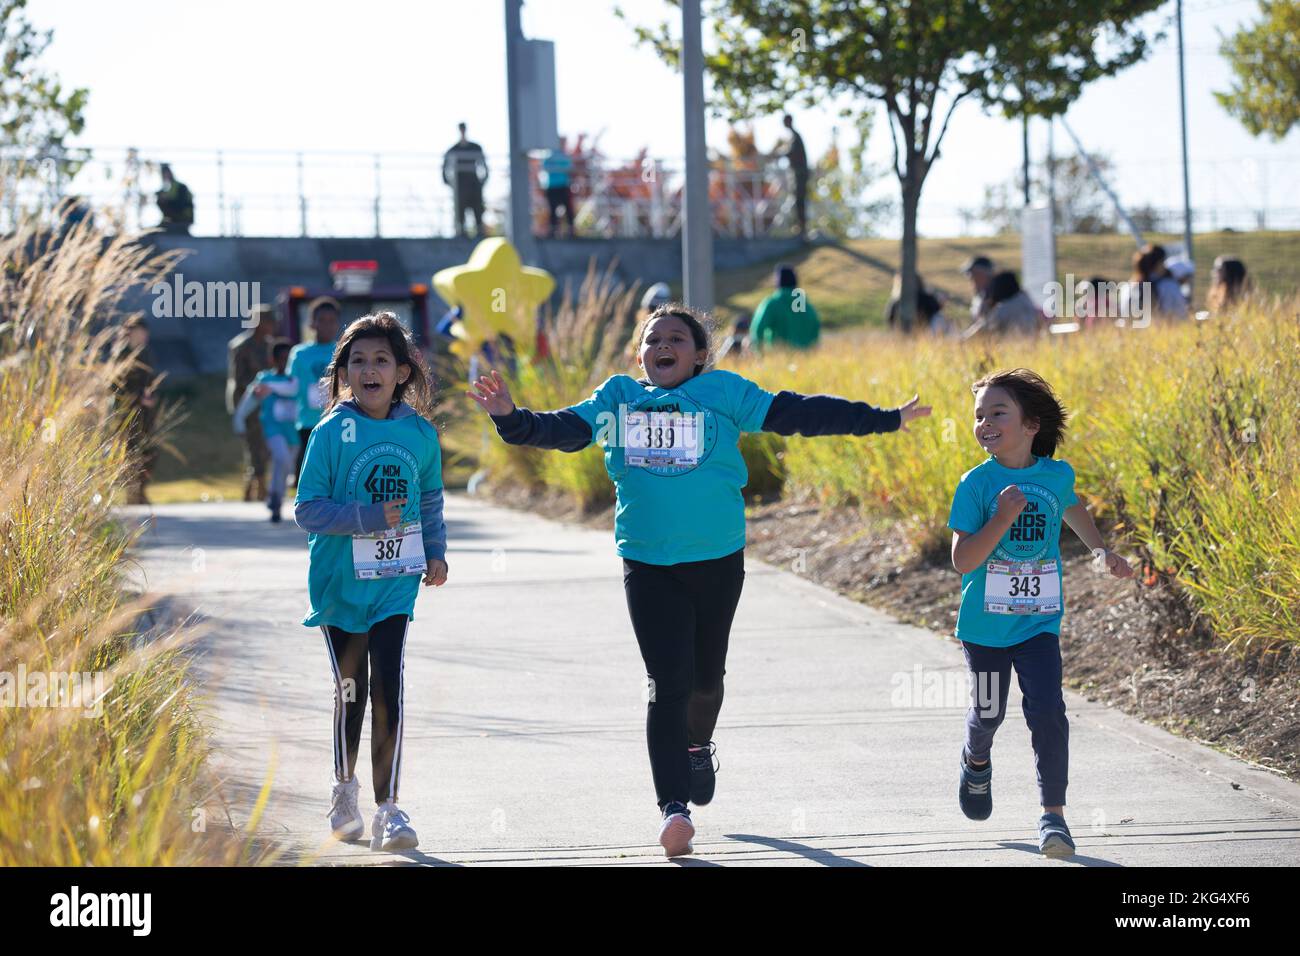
1265,61
919,59
36,112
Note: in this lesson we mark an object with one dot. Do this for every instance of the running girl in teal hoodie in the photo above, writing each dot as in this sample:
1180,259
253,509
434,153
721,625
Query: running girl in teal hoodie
370,495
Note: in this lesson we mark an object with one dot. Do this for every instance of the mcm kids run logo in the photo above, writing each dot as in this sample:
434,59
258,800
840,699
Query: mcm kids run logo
383,472
1027,538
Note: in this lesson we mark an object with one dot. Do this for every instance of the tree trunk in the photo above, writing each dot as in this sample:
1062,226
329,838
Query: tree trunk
911,201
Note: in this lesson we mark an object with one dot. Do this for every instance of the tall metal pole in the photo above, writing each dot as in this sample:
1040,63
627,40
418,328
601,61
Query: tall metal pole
519,228
697,224
1182,101
1024,142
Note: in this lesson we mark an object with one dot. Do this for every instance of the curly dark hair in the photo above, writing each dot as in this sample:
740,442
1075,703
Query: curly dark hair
700,324
1037,403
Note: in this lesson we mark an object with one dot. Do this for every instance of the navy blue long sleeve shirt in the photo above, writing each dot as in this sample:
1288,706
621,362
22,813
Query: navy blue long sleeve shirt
789,414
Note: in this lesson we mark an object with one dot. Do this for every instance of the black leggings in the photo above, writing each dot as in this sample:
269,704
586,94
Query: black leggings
682,617
384,645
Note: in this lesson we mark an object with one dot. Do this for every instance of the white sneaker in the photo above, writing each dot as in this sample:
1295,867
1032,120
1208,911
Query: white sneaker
392,830
676,831
346,822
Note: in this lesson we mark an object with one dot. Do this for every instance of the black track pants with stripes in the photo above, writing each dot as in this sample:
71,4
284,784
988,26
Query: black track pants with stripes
370,662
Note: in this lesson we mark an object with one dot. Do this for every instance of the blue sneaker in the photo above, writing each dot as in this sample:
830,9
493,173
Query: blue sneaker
975,790
1054,838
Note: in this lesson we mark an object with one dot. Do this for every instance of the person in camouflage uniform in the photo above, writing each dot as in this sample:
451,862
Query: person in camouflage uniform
249,353
134,392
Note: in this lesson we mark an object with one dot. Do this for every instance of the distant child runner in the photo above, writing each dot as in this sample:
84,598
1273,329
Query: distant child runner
371,496
670,442
1006,523
273,390
307,364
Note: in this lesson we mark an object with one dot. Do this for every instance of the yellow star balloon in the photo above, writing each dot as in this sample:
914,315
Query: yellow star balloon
497,295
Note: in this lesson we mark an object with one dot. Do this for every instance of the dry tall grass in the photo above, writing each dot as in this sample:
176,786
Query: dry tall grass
114,775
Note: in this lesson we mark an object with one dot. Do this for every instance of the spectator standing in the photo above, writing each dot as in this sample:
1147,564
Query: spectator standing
464,169
555,173
248,353
797,157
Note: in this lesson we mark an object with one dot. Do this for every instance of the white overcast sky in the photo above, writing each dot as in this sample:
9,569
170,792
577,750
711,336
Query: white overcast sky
394,77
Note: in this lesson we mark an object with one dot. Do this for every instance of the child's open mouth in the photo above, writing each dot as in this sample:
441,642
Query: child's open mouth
371,387
665,361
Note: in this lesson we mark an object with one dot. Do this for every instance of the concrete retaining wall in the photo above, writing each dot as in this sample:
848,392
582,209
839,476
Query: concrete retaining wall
185,347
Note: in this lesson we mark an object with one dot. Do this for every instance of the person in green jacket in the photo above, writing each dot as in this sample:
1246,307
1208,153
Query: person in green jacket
785,317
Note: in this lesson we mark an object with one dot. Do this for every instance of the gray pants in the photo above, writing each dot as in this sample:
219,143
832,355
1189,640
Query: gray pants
281,462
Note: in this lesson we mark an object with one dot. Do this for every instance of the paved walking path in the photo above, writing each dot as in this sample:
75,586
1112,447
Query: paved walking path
525,741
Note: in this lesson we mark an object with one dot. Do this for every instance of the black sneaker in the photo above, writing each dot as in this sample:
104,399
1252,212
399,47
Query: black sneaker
702,772
975,790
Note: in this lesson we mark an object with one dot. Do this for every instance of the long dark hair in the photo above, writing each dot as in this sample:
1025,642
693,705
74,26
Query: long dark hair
416,391
1228,284
1037,402
698,322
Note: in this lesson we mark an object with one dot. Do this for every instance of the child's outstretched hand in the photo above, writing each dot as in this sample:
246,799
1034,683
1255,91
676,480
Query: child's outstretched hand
435,573
911,411
491,393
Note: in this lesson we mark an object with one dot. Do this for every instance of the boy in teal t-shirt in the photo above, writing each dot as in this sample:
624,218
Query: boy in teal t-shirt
1006,522
307,364
1034,537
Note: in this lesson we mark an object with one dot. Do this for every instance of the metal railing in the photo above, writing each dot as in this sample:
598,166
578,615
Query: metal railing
283,193
349,193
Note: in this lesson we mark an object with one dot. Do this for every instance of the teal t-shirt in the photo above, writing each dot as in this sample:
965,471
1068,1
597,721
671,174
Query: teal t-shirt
1048,487
670,512
307,363
277,412
352,457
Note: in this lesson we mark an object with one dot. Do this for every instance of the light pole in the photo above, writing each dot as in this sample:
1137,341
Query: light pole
697,219
1182,102
519,227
